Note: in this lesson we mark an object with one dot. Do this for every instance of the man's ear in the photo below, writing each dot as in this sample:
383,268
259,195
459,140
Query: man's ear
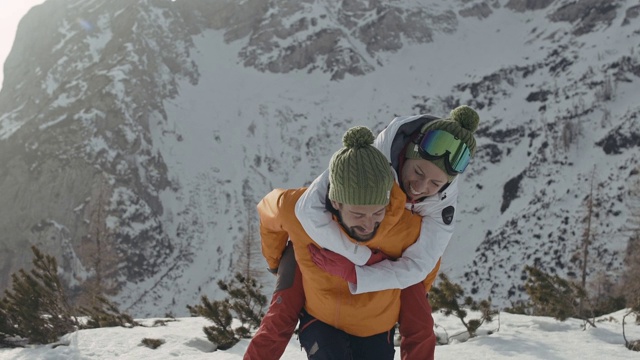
335,204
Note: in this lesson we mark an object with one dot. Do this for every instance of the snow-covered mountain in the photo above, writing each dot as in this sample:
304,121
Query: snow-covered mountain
152,128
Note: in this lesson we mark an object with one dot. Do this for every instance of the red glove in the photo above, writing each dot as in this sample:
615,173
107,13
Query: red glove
339,265
376,257
333,263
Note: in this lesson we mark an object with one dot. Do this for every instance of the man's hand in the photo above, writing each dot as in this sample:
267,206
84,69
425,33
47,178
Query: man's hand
333,263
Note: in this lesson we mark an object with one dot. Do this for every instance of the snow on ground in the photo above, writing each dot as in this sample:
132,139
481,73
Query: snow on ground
510,336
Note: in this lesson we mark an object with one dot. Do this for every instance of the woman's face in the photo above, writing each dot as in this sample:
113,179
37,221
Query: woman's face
421,178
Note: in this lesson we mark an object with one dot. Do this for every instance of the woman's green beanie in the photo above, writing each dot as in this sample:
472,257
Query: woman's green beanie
462,123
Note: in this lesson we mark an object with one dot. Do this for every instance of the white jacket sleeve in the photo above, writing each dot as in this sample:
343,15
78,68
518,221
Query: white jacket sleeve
419,259
319,224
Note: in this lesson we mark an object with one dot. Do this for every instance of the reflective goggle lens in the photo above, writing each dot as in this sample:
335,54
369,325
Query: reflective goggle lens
439,143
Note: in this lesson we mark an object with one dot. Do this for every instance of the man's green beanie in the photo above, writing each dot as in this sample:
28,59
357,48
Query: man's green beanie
359,174
462,123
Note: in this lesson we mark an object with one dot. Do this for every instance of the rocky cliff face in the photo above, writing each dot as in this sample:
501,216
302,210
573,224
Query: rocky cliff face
334,37
75,126
149,130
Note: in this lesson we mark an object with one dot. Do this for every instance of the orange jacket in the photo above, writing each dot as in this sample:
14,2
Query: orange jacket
328,297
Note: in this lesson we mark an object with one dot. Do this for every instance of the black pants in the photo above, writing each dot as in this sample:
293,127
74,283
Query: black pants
324,342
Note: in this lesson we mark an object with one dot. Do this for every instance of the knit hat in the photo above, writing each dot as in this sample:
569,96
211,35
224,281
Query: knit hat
462,123
359,174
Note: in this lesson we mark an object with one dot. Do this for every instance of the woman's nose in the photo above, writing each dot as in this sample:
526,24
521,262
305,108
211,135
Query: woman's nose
421,186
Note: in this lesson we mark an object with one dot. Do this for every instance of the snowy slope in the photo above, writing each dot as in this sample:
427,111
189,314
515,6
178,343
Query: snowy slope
513,336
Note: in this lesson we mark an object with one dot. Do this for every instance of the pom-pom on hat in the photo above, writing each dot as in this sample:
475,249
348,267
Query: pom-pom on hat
462,123
359,174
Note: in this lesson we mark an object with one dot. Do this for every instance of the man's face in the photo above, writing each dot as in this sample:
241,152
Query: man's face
360,221
421,178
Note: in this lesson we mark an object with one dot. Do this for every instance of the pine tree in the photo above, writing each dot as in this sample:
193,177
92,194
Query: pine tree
598,293
105,314
581,256
7,330
221,333
245,303
250,262
446,295
246,300
98,246
605,294
555,296
631,274
37,307
550,295
586,236
37,310
631,285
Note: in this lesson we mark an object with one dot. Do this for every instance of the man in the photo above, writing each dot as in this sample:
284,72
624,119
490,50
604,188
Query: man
427,153
369,206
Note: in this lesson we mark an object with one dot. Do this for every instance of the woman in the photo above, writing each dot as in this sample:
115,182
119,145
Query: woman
427,154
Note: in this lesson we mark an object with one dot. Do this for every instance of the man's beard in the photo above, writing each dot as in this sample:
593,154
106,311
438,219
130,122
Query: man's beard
353,234
350,230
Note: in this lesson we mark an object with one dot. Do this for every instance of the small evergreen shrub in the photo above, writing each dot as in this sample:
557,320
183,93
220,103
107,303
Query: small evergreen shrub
446,297
106,314
36,309
245,303
221,333
152,343
162,322
7,330
555,296
519,307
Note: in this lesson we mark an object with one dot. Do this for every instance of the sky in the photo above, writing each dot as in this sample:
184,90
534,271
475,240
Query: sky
11,11
509,337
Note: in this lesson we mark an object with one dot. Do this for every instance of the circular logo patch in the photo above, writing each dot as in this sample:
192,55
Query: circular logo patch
447,214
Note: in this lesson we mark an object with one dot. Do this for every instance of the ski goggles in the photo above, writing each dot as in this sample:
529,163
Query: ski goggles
436,144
